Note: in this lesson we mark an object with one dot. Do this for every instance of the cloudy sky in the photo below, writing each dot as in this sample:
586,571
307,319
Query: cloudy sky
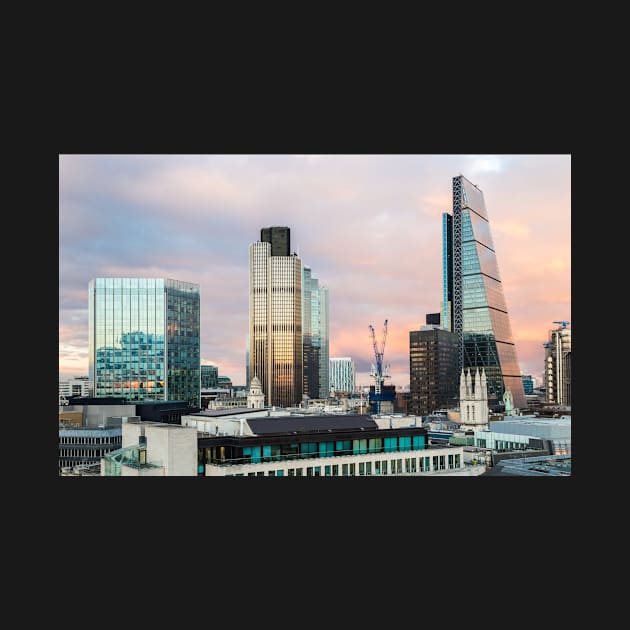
369,226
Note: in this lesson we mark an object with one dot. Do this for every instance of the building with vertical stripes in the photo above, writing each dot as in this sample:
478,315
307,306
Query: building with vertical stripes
342,375
275,318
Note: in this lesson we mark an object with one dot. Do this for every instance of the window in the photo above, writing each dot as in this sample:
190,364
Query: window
377,467
317,471
309,471
291,472
407,464
361,468
352,471
442,462
335,470
299,472
384,467
413,465
368,468
391,444
404,443
399,466
326,471
344,470
450,461
392,466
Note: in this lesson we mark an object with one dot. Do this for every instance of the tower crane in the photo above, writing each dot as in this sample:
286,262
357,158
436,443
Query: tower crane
379,372
562,323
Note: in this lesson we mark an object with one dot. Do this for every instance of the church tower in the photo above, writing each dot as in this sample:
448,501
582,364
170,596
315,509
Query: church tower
473,400
255,396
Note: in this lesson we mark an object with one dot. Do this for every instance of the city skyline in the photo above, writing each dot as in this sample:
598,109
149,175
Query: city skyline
369,225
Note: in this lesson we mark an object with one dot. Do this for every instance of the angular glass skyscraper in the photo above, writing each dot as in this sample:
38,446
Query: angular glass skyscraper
473,304
144,339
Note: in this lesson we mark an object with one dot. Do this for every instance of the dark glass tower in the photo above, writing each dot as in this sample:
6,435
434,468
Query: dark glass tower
474,306
279,238
433,375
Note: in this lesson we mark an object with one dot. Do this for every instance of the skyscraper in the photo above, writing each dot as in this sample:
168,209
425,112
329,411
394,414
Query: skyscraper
144,341
319,306
473,304
275,317
433,361
315,336
558,366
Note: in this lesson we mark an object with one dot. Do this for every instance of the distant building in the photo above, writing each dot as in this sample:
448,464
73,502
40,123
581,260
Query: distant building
433,319
342,375
528,384
144,339
209,376
75,386
315,344
224,382
433,369
558,366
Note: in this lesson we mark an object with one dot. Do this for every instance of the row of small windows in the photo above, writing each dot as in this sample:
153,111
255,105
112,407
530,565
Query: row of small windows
407,465
89,440
90,453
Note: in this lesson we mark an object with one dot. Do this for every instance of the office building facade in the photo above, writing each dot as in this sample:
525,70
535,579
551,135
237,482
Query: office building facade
558,366
209,376
433,375
144,339
342,375
528,384
275,318
474,306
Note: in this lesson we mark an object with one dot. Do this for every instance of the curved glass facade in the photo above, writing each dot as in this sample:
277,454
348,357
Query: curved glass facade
479,312
144,339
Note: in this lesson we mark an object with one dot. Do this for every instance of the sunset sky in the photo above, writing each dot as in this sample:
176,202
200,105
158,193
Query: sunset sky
369,226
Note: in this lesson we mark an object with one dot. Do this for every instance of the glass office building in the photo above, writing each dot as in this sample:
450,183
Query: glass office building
474,306
144,339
